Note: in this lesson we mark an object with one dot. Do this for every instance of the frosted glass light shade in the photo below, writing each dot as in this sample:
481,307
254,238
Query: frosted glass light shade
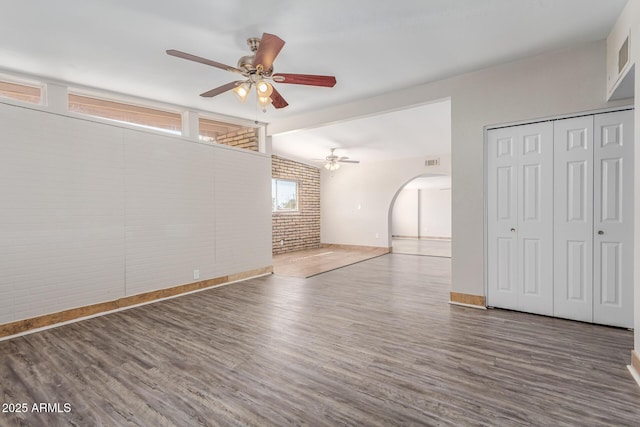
263,101
242,90
264,89
332,166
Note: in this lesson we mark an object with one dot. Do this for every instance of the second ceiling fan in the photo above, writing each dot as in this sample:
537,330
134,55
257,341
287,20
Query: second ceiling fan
333,161
257,70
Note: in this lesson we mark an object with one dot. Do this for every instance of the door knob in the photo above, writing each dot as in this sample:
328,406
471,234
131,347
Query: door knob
600,232
513,230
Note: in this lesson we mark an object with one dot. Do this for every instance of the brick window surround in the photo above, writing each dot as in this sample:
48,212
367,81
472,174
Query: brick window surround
293,231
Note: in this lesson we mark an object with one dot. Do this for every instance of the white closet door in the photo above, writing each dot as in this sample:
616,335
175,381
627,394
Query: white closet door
535,224
502,212
573,219
613,219
520,218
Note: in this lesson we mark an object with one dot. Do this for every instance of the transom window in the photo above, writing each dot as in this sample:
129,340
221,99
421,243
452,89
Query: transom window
211,130
284,195
149,118
21,92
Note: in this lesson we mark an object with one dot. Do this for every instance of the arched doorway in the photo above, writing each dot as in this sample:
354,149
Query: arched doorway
420,217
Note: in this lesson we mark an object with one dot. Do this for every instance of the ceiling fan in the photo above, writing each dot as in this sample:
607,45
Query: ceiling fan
257,69
333,161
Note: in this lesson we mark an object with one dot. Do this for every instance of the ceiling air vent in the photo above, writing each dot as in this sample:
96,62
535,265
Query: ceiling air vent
623,55
432,162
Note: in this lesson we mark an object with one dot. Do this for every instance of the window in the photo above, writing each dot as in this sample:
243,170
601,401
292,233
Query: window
284,195
210,130
228,134
21,92
149,118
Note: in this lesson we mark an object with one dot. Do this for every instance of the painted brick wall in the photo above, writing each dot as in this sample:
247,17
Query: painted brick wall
246,138
294,231
92,212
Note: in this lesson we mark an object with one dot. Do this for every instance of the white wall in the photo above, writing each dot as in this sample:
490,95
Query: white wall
422,212
356,202
93,212
435,212
562,82
169,217
636,59
405,216
62,213
629,24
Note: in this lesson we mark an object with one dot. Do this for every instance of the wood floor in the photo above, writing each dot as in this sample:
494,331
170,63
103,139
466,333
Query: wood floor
371,344
310,262
426,247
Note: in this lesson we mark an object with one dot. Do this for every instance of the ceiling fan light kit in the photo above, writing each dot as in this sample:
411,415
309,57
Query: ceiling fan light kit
333,161
332,166
242,91
263,101
264,88
257,69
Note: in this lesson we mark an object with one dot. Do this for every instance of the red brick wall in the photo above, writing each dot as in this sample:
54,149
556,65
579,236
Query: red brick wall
294,231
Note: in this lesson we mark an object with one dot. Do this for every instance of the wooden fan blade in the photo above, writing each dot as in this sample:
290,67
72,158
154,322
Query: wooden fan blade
277,100
205,61
270,46
305,79
349,161
220,89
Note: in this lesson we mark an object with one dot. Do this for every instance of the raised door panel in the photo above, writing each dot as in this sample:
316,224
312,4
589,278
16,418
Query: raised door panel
613,219
531,203
611,190
502,218
534,145
530,262
505,202
578,273
506,268
573,218
610,261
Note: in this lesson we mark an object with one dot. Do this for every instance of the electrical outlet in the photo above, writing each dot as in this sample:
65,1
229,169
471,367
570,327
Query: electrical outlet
196,274
377,236
281,242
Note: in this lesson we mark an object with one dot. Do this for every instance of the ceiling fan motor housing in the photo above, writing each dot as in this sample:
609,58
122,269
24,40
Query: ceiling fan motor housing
246,63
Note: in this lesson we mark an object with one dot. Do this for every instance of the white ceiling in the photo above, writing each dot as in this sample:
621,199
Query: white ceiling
418,131
372,47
